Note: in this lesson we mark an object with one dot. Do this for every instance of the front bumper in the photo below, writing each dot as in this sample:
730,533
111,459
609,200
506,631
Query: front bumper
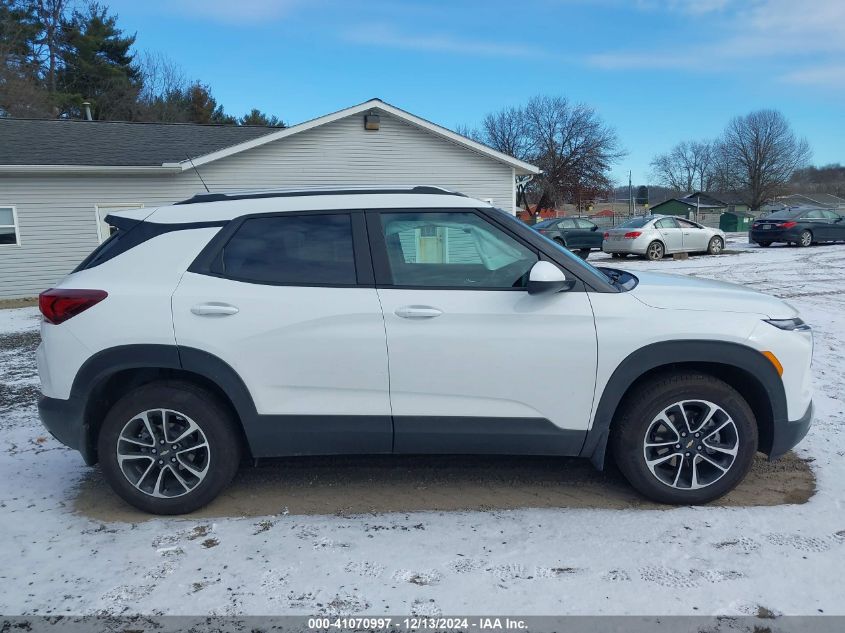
65,420
786,435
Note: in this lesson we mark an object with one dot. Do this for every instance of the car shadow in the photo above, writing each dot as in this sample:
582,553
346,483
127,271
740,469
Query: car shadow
352,485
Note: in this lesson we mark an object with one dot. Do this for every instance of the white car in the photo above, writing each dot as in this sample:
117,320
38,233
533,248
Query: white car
416,320
655,236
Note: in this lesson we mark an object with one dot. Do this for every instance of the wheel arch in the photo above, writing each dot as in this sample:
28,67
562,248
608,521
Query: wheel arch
740,366
110,374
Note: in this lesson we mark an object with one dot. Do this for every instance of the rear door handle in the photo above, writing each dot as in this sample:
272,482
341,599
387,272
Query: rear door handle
417,312
214,309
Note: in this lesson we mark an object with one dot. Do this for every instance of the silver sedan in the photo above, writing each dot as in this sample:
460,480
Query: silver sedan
654,236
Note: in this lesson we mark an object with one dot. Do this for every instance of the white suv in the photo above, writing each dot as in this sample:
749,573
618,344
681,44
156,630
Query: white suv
402,321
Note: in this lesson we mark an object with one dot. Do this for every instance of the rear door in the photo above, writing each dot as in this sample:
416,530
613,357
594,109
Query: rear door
670,234
591,237
476,363
819,224
288,301
695,237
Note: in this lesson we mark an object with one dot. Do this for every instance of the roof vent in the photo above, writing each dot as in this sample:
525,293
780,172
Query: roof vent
371,121
86,108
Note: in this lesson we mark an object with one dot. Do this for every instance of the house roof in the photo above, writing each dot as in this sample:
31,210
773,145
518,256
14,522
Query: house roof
720,198
114,143
823,199
63,146
692,204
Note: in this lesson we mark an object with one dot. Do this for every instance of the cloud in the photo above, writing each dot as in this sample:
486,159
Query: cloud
833,75
808,38
387,36
242,11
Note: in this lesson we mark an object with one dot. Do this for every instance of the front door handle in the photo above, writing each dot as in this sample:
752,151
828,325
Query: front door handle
417,312
214,309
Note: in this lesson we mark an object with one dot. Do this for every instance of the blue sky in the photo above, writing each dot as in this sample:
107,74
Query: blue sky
658,71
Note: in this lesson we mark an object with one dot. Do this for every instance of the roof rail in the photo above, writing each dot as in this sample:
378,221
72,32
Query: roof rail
293,193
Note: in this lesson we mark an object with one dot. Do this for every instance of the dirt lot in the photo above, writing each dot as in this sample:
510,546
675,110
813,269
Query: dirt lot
368,484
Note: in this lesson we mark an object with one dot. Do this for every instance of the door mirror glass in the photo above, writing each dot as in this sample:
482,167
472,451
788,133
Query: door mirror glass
546,278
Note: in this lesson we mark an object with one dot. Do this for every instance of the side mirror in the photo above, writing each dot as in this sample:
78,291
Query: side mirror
546,278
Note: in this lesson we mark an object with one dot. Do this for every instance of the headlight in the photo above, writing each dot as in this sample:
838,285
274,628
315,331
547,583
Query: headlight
788,324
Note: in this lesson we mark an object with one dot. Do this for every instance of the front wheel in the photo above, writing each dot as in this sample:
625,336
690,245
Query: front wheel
655,251
169,447
684,439
715,246
806,238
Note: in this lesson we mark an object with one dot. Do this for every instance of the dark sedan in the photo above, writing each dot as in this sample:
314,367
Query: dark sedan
798,226
576,234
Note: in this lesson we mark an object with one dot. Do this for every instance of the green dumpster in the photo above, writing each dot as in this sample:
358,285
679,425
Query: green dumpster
735,222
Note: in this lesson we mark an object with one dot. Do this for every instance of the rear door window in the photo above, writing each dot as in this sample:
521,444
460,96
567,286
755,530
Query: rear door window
314,249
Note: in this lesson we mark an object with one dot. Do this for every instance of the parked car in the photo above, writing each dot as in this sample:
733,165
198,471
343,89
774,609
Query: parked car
402,321
655,236
576,234
800,227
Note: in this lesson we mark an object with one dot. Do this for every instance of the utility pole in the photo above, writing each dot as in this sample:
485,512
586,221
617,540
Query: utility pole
630,196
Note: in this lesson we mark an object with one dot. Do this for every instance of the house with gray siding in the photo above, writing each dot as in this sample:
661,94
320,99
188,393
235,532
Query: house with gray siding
60,178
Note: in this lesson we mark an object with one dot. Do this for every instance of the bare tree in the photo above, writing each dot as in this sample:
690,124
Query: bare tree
51,15
758,155
687,167
569,142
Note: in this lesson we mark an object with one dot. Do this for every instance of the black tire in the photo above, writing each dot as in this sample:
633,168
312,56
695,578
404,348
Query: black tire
617,255
559,241
584,253
715,246
806,238
637,415
655,251
764,244
211,416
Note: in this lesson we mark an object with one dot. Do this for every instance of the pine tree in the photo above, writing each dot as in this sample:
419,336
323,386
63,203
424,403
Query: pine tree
97,66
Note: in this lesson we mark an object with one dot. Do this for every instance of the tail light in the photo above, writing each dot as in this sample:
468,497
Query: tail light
606,234
632,235
788,225
60,304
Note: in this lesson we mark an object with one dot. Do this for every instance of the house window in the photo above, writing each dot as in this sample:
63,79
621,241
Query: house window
9,226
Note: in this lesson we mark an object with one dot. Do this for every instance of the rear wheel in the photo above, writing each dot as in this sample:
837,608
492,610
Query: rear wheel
715,246
806,238
169,447
764,244
584,253
559,241
655,251
685,439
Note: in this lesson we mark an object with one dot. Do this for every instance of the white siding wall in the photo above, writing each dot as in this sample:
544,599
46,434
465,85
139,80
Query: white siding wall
57,222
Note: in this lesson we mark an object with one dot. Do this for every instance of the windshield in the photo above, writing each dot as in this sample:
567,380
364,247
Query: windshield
635,223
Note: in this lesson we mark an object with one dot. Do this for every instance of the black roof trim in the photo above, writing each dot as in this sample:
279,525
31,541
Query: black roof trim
219,197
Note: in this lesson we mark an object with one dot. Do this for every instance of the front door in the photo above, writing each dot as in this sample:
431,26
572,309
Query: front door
476,363
285,307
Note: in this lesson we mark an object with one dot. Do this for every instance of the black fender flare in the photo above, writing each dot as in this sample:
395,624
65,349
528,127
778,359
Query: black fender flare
734,356
110,361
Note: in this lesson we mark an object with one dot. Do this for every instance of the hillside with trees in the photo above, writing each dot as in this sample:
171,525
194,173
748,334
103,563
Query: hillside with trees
55,55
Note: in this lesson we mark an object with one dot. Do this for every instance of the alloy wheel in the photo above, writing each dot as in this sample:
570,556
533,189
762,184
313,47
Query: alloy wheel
655,250
163,453
806,238
715,246
691,444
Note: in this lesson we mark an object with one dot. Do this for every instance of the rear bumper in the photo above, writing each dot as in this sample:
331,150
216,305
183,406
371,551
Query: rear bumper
65,421
788,434
624,246
775,235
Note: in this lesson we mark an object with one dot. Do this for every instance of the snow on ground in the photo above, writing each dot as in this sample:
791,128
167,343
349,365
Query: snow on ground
706,560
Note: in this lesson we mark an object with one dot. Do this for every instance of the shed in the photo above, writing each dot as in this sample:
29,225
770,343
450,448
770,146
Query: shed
60,178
